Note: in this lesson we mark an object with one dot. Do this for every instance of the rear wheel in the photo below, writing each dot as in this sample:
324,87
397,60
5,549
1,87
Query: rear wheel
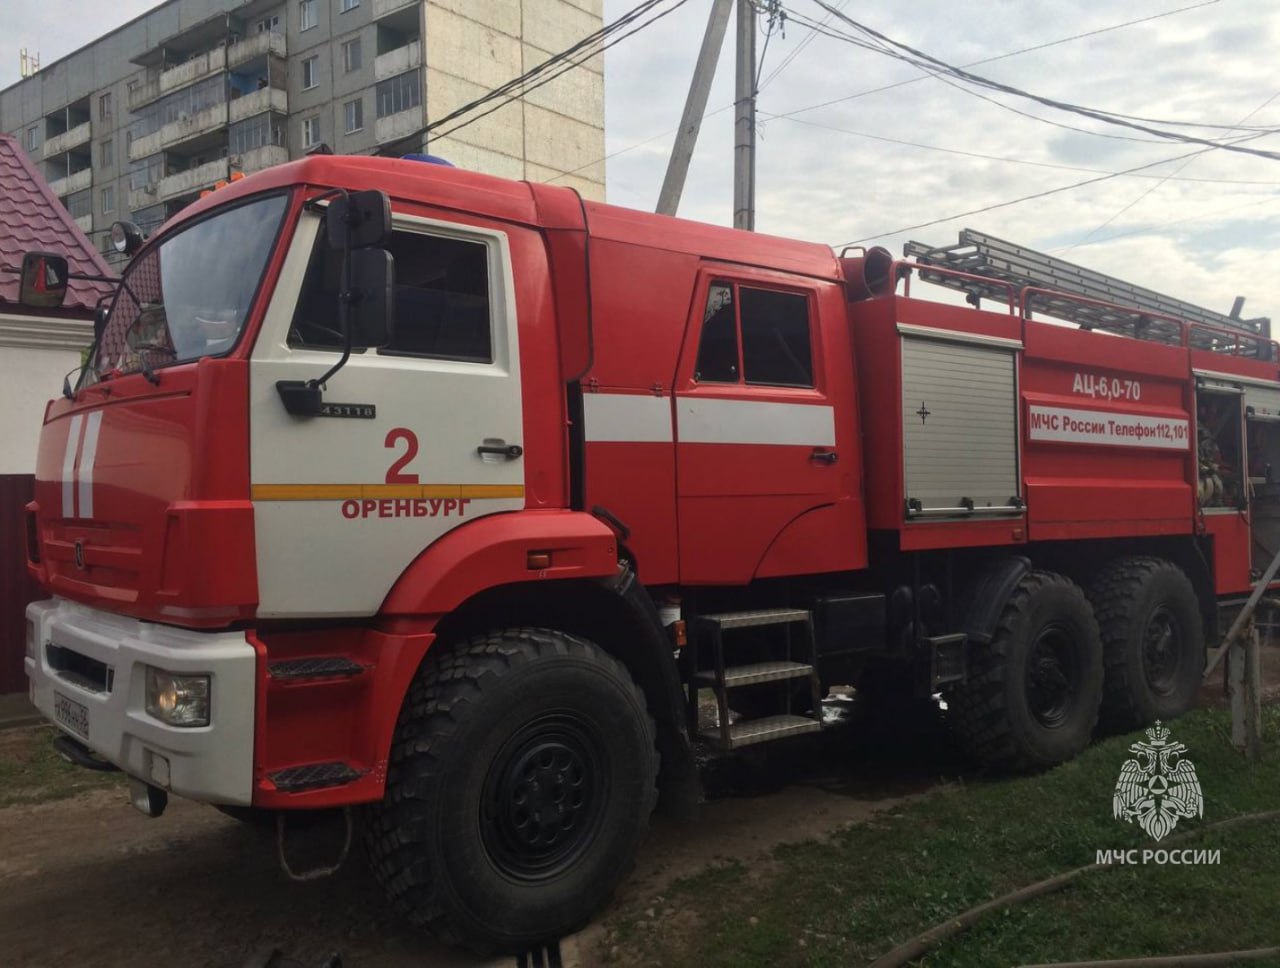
1152,640
1032,697
521,777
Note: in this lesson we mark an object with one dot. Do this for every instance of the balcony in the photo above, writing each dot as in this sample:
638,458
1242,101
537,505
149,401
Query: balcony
267,99
67,140
192,180
202,65
144,92
396,126
257,159
259,45
397,61
383,7
86,223
62,187
176,132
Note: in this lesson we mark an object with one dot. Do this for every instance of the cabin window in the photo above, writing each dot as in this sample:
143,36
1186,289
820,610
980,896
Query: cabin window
718,350
772,328
442,299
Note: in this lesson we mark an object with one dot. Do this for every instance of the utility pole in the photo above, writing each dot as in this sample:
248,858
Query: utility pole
744,147
695,106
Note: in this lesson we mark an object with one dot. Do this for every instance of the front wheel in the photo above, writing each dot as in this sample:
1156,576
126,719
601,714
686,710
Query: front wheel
522,775
1032,697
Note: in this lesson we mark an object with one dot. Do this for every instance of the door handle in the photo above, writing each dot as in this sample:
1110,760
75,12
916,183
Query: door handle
824,455
509,451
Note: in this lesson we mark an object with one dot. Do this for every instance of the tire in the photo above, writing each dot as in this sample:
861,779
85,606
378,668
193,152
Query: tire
1033,693
494,732
1152,641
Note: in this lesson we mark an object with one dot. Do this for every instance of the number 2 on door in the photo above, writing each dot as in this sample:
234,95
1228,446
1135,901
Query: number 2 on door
396,473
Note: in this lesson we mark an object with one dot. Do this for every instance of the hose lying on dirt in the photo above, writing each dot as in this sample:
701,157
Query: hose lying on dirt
921,943
1211,960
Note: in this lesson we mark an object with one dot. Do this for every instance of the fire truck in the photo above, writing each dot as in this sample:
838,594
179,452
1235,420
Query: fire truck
478,509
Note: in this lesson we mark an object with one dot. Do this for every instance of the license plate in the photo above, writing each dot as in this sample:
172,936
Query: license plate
71,714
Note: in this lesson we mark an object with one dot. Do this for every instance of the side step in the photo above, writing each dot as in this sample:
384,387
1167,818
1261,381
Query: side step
749,675
788,654
314,776
749,731
315,667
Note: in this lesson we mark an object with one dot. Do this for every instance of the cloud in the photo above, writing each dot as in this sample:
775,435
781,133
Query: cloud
1202,241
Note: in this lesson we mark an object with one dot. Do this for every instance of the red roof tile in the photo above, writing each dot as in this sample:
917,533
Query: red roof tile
31,217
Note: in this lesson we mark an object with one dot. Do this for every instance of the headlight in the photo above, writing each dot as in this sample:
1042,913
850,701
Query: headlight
177,700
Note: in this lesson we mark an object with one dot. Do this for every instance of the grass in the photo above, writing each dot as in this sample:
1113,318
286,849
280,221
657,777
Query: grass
31,772
855,896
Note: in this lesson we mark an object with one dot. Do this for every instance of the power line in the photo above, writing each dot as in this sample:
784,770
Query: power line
558,64
1023,198
1098,228
904,52
813,33
1146,230
991,60
1012,161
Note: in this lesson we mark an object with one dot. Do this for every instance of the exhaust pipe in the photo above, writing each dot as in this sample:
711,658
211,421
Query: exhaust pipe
868,275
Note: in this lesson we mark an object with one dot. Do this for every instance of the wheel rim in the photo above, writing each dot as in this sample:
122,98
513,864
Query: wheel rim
1053,676
543,798
1161,651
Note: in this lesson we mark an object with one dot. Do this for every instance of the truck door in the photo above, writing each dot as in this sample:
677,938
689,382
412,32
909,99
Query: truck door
764,467
345,501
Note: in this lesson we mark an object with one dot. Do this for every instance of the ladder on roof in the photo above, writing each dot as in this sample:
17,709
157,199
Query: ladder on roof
1005,264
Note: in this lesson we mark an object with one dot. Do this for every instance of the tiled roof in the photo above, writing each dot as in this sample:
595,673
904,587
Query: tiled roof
31,217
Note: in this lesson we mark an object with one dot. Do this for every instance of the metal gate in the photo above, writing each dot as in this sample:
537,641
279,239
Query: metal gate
16,587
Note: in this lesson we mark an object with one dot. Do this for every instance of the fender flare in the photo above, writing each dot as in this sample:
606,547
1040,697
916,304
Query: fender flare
494,550
989,595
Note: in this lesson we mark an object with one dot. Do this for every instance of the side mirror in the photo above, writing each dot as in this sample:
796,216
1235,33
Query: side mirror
371,314
100,323
359,220
44,280
126,238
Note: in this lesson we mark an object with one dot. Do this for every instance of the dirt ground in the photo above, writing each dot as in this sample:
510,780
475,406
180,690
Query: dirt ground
90,882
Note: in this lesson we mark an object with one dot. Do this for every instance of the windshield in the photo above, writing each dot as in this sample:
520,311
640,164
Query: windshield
189,296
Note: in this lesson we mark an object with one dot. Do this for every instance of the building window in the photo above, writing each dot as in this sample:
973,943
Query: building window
399,93
307,14
310,68
268,25
442,307
108,200
106,152
354,111
256,132
351,55
310,131
104,107
32,135
345,5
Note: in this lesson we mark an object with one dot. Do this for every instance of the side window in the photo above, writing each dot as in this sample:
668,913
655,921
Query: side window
442,299
775,338
718,349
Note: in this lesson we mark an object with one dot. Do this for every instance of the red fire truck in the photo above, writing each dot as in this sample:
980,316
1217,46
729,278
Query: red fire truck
479,506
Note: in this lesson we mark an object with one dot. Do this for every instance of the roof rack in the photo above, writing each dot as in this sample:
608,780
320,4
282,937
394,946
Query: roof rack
1090,299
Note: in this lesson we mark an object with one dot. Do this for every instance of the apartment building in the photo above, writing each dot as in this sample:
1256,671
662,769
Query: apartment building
137,123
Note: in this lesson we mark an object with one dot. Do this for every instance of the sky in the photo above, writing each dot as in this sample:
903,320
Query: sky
843,159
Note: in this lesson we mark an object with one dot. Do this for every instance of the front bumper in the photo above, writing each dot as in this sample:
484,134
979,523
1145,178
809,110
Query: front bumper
211,763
